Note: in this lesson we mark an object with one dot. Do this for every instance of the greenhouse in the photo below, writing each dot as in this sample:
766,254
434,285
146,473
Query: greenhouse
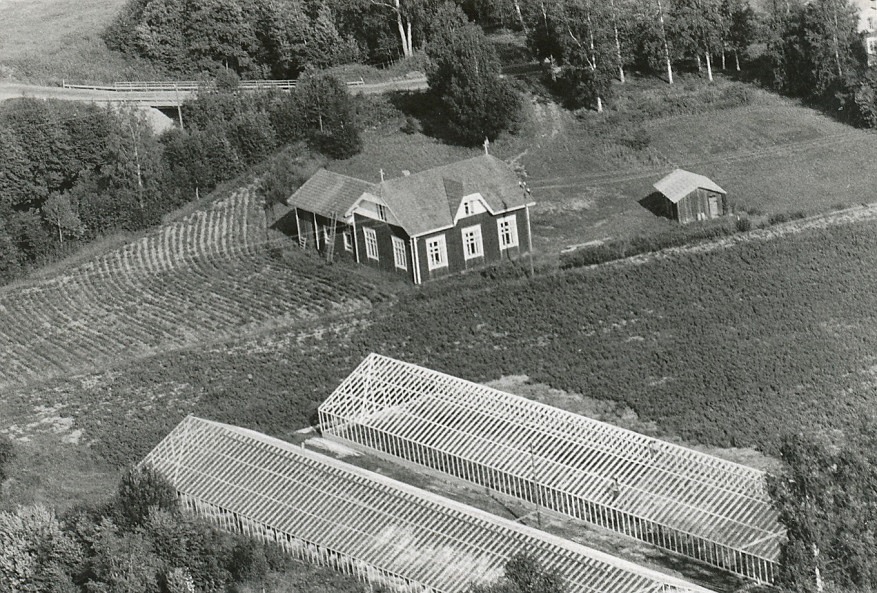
382,531
679,499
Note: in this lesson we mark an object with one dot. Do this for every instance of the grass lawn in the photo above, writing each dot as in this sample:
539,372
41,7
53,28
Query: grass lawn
45,41
588,173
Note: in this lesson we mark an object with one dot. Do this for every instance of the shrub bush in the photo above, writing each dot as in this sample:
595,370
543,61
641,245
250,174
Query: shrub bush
743,225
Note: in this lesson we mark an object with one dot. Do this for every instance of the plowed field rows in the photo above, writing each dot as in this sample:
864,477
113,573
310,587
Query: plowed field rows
202,278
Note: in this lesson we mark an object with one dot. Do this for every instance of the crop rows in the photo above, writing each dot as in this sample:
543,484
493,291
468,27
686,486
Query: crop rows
204,277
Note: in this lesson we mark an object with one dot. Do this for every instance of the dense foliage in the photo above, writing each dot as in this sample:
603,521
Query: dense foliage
592,42
280,38
815,51
463,73
139,541
827,500
523,574
70,173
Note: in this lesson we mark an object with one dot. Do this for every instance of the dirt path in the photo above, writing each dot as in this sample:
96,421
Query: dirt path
866,212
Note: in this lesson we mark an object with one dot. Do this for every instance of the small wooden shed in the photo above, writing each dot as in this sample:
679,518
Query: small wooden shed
687,197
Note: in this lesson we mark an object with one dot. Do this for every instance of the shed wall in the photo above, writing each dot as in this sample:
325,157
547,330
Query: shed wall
696,206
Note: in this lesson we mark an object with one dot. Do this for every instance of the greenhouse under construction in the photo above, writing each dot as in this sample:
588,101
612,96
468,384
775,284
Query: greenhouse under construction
679,499
382,531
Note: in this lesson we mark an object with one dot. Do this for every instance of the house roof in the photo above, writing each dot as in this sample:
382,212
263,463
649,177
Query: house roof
421,202
680,183
329,194
429,200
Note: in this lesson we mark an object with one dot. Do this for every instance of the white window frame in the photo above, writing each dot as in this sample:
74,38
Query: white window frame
436,253
472,238
512,222
348,241
382,211
400,258
371,244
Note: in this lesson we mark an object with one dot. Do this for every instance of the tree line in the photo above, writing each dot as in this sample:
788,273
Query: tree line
70,173
280,38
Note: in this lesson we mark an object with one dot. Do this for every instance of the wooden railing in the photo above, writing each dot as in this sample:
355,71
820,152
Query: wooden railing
189,85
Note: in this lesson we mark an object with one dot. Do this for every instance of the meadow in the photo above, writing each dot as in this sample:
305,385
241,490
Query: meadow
47,41
589,172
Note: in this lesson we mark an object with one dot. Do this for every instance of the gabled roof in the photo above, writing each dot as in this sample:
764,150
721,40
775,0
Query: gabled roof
329,194
421,202
680,183
429,200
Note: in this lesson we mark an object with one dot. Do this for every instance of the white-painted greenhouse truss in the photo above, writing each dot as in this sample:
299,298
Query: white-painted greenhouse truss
679,499
382,531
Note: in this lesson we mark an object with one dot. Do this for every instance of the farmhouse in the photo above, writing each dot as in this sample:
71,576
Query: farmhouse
422,226
687,197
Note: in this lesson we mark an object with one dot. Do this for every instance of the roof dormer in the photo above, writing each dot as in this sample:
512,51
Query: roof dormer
470,206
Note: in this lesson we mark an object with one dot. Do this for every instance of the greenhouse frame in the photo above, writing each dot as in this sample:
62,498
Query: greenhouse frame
364,524
676,498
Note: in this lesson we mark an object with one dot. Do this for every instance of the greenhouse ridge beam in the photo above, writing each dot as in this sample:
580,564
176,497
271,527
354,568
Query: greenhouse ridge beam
713,510
380,530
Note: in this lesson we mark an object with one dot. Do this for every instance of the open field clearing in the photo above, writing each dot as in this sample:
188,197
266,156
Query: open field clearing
50,40
206,277
771,155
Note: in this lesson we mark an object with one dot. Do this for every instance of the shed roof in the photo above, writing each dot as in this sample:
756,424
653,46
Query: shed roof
329,194
680,183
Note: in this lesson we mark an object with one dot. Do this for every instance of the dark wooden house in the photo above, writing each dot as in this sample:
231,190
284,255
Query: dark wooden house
687,197
422,226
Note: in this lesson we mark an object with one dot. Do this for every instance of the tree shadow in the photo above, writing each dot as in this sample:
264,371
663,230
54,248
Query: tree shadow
657,204
429,112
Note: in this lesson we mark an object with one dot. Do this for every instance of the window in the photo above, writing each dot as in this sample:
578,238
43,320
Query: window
436,253
399,253
371,243
348,241
382,211
472,245
467,208
508,231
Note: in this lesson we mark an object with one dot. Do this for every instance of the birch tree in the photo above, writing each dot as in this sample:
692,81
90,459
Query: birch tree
59,212
587,61
831,35
663,30
405,13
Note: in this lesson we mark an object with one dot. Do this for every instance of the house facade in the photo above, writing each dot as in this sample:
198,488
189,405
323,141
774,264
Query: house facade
422,226
688,197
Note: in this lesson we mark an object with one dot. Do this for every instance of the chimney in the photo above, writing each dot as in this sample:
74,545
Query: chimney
406,172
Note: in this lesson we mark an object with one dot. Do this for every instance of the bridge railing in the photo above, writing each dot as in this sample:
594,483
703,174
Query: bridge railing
189,85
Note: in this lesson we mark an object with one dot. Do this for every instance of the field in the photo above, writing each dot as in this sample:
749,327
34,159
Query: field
589,173
49,40
203,278
727,348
